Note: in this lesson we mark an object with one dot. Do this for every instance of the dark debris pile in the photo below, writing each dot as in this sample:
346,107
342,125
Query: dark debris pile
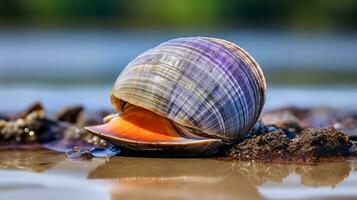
61,133
23,128
288,138
33,126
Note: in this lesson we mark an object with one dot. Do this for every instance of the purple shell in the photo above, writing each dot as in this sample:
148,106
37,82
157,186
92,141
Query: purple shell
209,86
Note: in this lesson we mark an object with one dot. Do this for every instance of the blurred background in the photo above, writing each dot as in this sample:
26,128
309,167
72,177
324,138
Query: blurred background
70,52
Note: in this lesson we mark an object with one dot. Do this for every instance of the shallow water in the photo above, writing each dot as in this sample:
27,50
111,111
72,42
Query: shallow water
42,174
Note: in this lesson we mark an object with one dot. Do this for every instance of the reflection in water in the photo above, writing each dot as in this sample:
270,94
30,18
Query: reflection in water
154,178
354,166
259,173
324,174
36,160
314,175
164,178
207,178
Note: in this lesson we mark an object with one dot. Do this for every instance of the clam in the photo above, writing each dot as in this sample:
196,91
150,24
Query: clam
186,96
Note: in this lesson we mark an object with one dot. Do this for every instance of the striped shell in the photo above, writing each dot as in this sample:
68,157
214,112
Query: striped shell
209,86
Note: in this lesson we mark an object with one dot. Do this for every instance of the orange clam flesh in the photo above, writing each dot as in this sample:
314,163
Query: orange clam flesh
139,129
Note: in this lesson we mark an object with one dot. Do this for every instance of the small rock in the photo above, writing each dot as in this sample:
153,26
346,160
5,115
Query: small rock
35,107
78,153
70,114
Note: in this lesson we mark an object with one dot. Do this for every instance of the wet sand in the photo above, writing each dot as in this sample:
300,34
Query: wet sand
44,174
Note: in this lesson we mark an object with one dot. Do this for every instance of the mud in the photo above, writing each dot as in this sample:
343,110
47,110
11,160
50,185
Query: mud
300,135
311,144
287,134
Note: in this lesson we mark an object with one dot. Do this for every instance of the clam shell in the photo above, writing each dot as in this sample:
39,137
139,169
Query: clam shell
209,86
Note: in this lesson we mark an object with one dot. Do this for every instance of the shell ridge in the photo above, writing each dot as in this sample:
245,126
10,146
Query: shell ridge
215,65
235,64
225,72
245,67
257,73
243,59
191,61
